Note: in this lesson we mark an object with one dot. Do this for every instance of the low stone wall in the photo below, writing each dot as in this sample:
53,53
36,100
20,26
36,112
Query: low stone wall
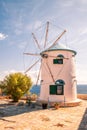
62,104
82,96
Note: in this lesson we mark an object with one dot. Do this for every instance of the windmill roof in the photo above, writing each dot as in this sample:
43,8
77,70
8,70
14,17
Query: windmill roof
60,47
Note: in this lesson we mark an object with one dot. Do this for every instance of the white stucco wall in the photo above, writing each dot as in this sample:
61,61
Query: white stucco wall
65,71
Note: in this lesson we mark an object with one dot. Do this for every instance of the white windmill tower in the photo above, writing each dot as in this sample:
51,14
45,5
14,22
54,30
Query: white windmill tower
57,71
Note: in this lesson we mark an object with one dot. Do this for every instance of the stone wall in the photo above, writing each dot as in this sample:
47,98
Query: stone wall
82,96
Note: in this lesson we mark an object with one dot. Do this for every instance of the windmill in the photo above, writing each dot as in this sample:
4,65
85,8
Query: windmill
57,68
42,55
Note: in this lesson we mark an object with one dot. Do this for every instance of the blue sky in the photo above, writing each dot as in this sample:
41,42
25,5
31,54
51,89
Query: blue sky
18,18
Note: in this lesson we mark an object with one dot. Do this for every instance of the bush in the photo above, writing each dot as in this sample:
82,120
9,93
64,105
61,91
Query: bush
16,85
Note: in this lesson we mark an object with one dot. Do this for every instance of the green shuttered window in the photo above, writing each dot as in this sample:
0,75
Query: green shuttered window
56,89
57,61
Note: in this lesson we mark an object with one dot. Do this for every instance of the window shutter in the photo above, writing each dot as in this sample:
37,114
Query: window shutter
53,89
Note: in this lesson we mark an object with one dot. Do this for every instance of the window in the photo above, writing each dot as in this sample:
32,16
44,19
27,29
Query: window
58,88
57,61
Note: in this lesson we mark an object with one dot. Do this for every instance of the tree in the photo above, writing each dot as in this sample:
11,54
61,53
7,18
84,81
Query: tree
16,85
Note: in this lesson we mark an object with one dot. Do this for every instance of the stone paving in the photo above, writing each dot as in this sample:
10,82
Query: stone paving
83,124
24,117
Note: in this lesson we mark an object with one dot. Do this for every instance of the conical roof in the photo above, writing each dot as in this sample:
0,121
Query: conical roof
60,47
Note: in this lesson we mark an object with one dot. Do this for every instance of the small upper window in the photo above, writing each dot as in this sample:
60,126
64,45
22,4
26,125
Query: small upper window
59,59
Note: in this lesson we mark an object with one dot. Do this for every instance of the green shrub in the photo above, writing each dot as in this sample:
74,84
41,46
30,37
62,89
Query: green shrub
16,85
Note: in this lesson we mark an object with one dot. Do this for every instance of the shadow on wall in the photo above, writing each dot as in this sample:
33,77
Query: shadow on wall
83,124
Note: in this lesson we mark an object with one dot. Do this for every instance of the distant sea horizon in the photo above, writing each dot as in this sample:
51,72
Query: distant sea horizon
81,89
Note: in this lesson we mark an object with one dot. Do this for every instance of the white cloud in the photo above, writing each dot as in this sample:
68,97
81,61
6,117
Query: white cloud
22,45
81,75
34,76
37,24
18,31
2,36
83,31
81,79
29,27
7,72
67,3
82,2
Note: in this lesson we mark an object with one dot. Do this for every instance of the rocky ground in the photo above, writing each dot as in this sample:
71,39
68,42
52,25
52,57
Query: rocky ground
20,116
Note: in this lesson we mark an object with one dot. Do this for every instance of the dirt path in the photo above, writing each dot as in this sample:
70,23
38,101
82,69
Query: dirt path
23,117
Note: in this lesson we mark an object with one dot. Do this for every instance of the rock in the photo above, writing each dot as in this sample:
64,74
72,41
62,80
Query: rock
21,103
